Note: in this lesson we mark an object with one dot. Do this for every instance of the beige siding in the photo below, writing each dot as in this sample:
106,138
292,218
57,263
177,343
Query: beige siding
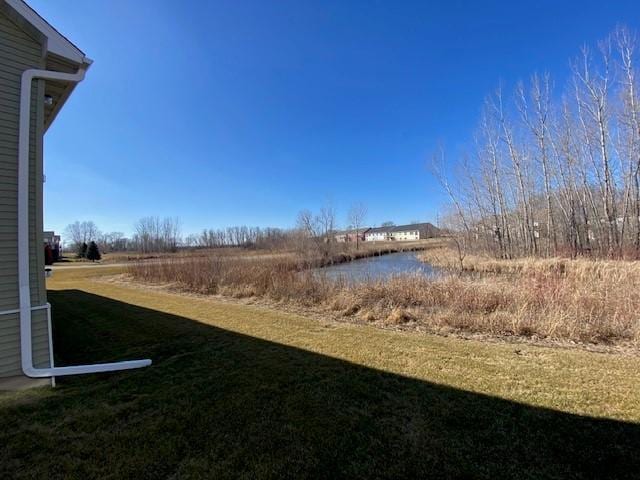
18,52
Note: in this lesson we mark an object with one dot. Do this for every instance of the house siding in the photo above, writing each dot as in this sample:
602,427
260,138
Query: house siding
406,235
18,52
402,233
376,236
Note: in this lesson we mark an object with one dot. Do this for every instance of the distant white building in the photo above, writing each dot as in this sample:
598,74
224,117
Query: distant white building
405,235
379,234
401,233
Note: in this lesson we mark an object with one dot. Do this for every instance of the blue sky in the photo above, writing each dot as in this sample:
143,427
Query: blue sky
245,112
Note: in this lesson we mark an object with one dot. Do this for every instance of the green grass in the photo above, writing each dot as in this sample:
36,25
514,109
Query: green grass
237,391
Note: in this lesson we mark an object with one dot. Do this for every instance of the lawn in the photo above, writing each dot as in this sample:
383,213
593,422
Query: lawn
239,391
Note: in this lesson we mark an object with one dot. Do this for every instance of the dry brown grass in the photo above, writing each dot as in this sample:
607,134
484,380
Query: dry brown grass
229,380
341,252
583,301
447,258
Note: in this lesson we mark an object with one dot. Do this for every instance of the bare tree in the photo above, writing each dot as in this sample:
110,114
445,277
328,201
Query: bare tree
438,169
630,126
356,217
574,162
592,97
82,232
319,229
157,235
112,242
538,124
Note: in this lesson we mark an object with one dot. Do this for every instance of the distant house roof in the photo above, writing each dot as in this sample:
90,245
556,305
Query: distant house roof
426,227
378,230
412,227
353,231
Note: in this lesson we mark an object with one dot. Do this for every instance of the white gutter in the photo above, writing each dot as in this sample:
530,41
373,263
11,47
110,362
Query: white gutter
26,348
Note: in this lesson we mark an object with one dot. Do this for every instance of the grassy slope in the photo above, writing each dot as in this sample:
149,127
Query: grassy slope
239,391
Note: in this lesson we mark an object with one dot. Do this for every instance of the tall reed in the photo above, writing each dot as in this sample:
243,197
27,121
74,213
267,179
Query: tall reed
585,301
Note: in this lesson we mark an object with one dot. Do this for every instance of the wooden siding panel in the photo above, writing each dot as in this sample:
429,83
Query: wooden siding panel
18,52
40,339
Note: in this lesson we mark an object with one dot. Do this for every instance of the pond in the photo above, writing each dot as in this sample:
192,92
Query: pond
380,268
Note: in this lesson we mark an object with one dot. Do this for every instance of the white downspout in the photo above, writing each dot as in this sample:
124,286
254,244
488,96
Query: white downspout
26,352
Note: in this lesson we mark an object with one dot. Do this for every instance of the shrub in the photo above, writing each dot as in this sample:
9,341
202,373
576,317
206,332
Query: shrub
586,301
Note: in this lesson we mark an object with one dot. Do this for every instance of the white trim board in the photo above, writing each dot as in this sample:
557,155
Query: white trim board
56,42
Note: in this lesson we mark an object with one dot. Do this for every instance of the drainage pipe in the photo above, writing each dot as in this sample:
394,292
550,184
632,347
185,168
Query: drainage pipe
26,349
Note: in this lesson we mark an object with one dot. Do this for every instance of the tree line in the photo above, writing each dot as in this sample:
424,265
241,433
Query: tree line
555,173
151,234
154,234
237,236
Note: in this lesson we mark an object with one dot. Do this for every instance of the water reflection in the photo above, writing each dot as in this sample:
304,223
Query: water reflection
380,268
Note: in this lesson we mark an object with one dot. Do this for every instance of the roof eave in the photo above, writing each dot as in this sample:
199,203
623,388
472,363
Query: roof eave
56,42
65,96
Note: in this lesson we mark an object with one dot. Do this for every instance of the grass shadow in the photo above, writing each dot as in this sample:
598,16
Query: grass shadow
218,404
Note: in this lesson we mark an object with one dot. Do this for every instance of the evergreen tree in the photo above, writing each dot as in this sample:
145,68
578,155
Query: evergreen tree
82,250
93,253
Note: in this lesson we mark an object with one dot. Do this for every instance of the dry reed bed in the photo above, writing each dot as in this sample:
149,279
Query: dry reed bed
587,268
594,302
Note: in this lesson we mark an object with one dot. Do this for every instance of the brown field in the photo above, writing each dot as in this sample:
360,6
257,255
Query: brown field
589,302
246,391
342,252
